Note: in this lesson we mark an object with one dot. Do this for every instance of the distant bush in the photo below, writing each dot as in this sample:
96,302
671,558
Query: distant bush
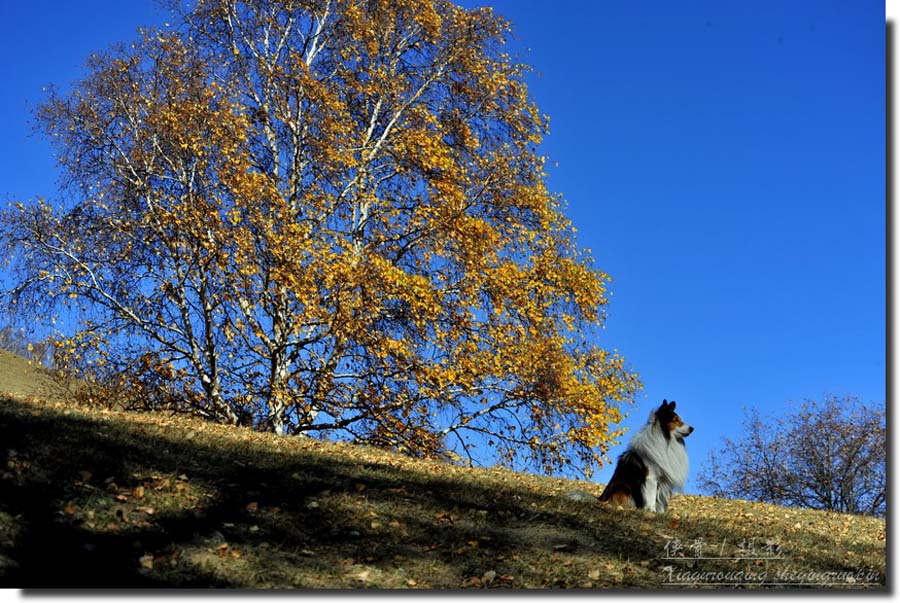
827,454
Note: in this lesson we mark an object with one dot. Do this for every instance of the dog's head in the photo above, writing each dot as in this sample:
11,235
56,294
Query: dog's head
670,423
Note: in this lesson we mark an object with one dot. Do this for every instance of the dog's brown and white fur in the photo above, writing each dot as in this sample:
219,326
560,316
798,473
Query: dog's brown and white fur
654,465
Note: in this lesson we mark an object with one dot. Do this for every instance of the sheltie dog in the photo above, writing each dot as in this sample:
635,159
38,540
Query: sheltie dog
654,464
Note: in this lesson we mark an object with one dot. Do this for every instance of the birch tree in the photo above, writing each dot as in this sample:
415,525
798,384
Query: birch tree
327,217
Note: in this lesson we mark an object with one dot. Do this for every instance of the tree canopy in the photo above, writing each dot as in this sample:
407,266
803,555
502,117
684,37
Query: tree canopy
823,454
325,216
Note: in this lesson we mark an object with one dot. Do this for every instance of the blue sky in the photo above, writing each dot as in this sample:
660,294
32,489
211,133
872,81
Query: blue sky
724,162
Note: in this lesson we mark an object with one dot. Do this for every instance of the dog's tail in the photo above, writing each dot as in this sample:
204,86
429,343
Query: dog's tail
581,496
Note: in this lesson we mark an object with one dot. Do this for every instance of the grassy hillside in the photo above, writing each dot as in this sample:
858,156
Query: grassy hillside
20,377
92,498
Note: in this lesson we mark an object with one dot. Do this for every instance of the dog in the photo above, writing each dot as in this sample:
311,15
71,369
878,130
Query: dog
654,465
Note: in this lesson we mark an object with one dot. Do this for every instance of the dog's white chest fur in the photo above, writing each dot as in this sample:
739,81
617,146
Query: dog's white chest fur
667,465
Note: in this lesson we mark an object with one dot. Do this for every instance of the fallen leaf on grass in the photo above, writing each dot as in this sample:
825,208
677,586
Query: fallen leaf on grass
252,507
226,550
473,582
70,509
411,582
146,561
594,574
147,510
364,575
138,492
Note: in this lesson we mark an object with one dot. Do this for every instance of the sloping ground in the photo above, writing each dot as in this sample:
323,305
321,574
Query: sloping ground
21,377
92,498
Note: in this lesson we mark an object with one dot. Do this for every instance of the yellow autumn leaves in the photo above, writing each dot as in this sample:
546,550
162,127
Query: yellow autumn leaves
332,218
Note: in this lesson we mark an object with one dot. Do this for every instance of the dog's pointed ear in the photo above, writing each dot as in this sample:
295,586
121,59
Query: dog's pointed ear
672,405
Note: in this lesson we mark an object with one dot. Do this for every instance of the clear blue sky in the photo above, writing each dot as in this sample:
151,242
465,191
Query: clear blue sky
724,162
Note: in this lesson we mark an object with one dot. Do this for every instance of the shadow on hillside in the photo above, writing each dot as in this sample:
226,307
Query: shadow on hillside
262,519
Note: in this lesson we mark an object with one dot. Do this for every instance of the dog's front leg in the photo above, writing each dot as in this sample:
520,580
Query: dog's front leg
649,491
663,492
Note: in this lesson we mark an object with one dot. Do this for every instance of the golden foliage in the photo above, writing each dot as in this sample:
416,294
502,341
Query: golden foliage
332,217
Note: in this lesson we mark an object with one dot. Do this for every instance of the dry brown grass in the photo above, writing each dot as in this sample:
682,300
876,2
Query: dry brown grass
99,498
